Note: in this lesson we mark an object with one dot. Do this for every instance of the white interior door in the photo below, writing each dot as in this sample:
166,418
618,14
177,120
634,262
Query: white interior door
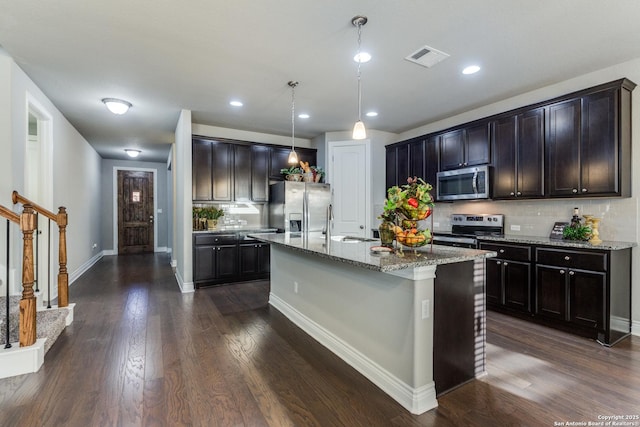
349,175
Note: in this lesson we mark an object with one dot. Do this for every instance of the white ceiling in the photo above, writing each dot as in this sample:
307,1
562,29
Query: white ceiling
164,56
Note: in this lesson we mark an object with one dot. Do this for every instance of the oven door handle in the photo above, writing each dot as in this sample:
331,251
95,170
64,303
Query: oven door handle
474,182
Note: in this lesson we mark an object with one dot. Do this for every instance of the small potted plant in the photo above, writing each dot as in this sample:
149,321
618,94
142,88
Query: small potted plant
318,173
212,214
293,173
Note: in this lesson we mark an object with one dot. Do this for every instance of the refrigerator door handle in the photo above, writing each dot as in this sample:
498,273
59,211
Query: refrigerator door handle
305,212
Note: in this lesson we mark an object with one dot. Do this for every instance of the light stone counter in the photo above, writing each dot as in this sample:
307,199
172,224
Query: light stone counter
535,240
359,253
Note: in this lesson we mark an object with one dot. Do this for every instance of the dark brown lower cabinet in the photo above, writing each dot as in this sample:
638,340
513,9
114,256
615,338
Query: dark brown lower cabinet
223,258
582,291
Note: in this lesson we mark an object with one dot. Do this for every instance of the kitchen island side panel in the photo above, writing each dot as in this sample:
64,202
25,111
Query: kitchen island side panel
372,320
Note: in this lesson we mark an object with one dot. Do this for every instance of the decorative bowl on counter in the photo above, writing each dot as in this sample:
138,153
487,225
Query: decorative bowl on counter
414,238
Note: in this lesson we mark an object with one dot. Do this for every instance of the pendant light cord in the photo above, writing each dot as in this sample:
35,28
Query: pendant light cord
293,114
359,63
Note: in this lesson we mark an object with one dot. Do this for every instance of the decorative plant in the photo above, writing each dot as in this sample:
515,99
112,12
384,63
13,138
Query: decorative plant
317,170
210,212
291,170
576,232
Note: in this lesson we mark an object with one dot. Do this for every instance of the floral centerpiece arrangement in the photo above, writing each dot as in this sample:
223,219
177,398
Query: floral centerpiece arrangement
404,207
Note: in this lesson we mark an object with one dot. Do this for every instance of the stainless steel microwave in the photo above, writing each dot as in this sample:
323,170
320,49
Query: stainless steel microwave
463,184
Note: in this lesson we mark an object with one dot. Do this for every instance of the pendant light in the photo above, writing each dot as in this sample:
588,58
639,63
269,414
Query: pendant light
359,132
293,157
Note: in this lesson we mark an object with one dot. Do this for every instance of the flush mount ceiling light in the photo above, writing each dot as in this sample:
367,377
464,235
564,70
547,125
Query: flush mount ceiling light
236,103
131,152
471,69
372,114
359,132
362,57
303,116
293,157
117,106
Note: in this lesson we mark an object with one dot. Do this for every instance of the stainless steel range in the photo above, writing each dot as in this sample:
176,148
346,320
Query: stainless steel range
466,227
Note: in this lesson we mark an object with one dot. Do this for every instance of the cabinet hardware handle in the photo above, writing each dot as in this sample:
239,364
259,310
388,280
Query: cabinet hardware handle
499,262
575,190
561,271
506,263
460,164
362,227
512,194
567,258
584,190
571,273
519,193
501,251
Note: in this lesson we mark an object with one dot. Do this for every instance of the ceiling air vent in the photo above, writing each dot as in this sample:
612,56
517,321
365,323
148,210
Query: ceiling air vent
427,56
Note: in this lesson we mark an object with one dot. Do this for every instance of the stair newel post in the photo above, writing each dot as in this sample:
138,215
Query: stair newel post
28,301
63,276
8,344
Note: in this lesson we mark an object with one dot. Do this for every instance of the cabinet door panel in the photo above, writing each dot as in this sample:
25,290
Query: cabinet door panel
504,158
264,258
226,262
278,158
517,285
416,156
477,145
222,161
452,150
599,147
205,266
391,159
402,164
242,173
202,169
587,298
530,154
551,292
563,145
493,280
248,260
259,173
431,166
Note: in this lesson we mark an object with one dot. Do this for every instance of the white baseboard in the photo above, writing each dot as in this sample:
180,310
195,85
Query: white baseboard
161,249
185,287
84,267
415,400
174,263
109,252
21,360
635,328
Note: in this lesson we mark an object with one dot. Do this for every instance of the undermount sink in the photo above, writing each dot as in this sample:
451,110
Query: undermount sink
352,239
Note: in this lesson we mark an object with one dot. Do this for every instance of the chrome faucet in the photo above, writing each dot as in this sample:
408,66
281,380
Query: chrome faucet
327,234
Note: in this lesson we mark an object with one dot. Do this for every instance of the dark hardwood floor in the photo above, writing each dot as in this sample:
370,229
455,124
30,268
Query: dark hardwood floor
141,353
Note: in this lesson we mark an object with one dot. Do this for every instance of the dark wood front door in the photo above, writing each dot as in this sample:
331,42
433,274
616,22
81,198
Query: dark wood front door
135,212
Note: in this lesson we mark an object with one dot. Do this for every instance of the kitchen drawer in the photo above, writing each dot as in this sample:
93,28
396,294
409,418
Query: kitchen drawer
583,260
509,252
215,239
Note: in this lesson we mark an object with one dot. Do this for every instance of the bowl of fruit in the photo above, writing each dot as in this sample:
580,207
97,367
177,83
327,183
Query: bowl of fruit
413,237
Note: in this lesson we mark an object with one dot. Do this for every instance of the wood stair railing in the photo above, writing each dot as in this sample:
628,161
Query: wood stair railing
27,332
61,219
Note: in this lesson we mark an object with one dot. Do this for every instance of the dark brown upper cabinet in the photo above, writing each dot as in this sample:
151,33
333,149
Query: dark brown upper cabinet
518,155
212,170
259,173
464,147
588,147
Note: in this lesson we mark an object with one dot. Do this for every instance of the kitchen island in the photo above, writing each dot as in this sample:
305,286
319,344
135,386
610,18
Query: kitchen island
411,322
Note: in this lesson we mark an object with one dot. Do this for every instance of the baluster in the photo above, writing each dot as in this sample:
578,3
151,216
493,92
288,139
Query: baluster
8,343
63,276
28,301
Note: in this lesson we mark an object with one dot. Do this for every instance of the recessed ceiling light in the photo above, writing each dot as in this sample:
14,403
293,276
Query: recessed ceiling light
131,152
372,114
471,69
236,103
362,57
303,116
116,106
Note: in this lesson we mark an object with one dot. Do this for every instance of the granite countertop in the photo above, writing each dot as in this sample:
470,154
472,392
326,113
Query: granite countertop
226,230
535,240
359,253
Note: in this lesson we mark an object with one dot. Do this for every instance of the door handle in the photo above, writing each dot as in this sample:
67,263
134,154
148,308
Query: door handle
362,227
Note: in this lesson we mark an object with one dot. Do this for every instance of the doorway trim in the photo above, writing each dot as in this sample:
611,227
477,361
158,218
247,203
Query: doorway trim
115,204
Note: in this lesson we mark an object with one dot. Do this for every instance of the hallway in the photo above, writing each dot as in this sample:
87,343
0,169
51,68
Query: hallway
141,353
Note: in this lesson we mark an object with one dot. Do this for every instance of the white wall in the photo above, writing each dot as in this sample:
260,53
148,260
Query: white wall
182,215
621,217
76,171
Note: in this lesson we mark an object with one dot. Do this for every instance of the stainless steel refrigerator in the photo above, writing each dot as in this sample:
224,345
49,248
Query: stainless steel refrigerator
298,206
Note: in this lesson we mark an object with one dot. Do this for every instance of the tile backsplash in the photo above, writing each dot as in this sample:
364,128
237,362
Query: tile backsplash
536,217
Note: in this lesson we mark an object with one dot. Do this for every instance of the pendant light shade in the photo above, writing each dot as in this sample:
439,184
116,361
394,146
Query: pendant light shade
359,132
293,156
